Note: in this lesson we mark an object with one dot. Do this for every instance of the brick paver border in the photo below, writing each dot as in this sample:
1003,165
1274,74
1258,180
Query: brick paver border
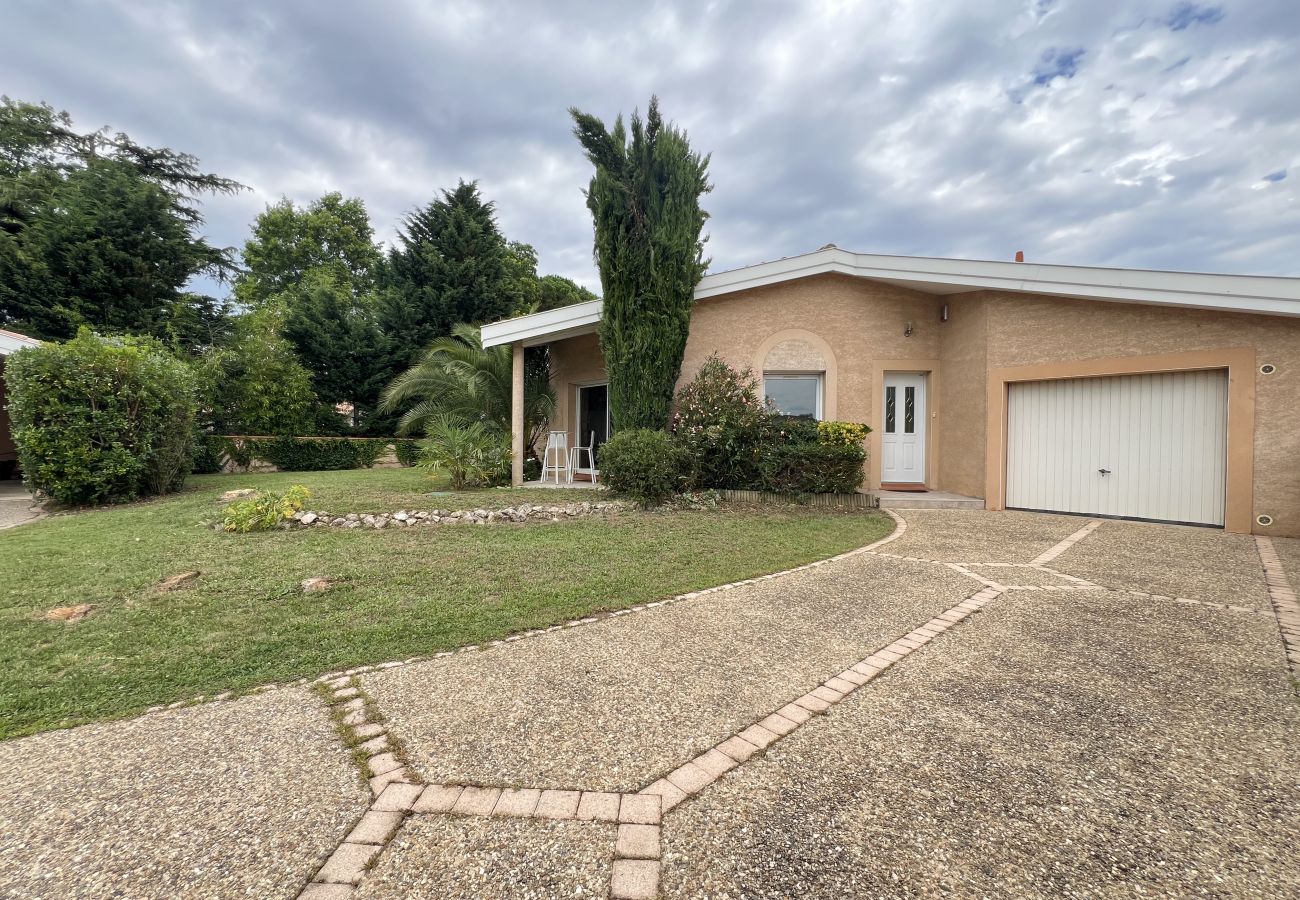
1048,555
396,791
636,864
637,852
1285,606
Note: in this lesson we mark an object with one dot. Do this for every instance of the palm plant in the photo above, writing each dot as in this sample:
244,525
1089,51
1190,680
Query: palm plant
460,380
467,455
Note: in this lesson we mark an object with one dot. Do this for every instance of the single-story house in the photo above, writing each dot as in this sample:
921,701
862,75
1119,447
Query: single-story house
10,342
1167,396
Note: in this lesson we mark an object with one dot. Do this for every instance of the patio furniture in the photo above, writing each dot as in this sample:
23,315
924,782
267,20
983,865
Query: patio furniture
575,460
555,458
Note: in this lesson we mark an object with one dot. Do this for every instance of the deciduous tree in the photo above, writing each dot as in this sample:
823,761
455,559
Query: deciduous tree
98,230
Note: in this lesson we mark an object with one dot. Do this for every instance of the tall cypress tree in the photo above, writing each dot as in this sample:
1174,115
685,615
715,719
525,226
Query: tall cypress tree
645,204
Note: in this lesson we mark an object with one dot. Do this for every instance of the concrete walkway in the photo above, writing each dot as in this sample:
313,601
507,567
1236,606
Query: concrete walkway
15,505
984,704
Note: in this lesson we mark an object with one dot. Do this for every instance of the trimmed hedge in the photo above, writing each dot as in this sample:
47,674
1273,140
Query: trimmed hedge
297,454
812,468
289,454
791,430
408,452
102,419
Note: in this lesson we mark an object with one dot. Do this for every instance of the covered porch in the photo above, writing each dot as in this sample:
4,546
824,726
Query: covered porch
577,375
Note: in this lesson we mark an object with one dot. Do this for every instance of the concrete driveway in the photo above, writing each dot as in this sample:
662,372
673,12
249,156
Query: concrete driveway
983,705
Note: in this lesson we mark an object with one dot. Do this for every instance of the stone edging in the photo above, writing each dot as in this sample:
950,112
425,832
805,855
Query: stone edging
1286,608
402,518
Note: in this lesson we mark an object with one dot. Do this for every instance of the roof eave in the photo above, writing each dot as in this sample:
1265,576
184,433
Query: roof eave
1264,295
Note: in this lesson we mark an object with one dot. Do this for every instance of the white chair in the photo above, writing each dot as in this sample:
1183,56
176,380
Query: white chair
575,460
555,458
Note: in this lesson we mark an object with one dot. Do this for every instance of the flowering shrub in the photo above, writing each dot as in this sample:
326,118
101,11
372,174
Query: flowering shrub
719,424
731,440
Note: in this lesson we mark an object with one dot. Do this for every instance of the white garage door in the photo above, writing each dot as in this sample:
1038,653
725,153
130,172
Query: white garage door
1136,446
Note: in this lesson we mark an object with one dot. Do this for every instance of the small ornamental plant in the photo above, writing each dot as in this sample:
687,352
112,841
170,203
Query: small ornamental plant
265,510
850,434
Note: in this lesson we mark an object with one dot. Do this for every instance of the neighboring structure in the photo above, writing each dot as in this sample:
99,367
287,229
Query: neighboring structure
10,342
1155,395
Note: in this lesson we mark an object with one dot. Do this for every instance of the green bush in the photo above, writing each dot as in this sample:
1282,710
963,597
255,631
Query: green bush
255,383
408,452
812,468
644,465
265,510
780,429
719,423
100,420
472,455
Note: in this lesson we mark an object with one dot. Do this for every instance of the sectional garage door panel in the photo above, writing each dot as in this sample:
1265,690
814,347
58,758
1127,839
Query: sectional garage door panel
1136,446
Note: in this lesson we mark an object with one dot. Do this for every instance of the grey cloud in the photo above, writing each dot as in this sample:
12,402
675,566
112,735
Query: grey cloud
1139,139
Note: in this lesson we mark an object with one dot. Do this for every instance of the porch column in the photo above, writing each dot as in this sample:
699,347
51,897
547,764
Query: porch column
517,416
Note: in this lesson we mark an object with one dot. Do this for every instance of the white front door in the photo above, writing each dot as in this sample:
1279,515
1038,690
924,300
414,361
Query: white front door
903,437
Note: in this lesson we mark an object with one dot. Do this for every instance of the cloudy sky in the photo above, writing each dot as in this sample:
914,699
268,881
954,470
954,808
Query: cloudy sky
1148,133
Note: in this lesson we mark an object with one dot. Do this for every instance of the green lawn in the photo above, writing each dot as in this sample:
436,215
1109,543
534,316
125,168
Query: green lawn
400,593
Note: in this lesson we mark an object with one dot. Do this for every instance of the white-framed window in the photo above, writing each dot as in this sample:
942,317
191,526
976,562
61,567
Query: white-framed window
794,393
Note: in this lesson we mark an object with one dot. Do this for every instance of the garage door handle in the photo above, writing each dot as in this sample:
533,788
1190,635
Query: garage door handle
1104,471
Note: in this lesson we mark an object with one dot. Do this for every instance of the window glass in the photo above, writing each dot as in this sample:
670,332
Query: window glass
909,410
889,409
593,416
792,395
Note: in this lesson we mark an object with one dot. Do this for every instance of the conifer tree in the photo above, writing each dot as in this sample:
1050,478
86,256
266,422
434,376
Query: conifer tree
448,267
645,205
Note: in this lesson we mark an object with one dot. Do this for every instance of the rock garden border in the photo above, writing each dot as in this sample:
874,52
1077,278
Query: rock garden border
404,518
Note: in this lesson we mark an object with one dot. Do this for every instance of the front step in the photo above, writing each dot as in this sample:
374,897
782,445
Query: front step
926,500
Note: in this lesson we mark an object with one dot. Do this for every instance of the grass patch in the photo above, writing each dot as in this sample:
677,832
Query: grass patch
397,593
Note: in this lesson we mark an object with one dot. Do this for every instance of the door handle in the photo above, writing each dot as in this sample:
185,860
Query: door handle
1104,471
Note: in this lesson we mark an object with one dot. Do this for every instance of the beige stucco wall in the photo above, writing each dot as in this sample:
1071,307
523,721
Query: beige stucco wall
857,328
859,322
963,355
1027,330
